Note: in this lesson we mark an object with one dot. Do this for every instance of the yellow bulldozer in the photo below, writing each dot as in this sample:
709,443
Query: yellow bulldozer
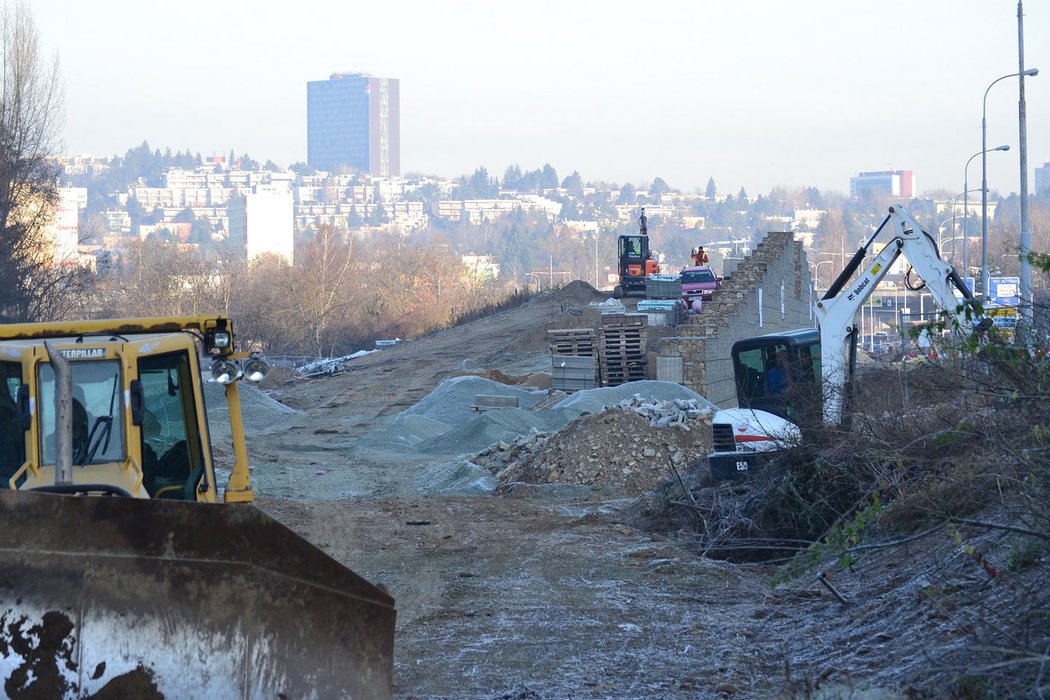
121,572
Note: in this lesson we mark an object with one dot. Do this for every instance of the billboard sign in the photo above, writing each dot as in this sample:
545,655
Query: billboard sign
1004,318
1003,291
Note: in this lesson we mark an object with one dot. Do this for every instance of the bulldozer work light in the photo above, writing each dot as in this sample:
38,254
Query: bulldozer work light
225,371
256,369
218,341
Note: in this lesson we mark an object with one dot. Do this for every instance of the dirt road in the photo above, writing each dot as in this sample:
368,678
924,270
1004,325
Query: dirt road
500,597
551,594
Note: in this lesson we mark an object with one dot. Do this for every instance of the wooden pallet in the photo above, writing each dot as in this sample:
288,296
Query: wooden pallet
624,320
622,348
575,342
621,365
614,378
623,344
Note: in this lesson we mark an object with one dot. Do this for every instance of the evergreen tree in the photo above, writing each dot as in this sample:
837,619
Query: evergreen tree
574,184
548,178
658,187
512,178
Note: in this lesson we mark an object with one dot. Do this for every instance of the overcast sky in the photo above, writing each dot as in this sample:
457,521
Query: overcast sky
753,93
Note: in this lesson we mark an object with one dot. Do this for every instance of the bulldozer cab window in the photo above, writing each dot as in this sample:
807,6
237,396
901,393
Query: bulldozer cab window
12,437
172,459
98,412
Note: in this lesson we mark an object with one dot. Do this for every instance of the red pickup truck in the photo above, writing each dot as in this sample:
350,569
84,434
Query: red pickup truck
698,284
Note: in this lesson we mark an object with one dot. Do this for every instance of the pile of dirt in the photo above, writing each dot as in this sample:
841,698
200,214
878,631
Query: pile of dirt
617,449
533,380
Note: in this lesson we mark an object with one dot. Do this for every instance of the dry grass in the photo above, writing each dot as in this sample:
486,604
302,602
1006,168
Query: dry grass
946,452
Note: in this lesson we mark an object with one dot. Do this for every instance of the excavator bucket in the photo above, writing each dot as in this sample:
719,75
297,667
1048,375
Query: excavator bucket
120,597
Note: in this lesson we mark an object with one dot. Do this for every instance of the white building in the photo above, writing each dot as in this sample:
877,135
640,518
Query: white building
64,229
807,218
262,221
477,211
581,226
481,268
1042,180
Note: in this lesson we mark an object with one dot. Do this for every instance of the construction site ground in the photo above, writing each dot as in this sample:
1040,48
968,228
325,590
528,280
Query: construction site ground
549,589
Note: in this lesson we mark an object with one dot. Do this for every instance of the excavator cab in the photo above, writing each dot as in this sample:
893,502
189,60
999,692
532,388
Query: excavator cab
124,565
779,373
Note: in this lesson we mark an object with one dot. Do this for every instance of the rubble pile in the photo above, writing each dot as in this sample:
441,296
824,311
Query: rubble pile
626,449
662,414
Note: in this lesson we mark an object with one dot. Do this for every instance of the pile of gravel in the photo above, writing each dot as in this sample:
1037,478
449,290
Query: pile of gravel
450,402
457,476
492,426
443,424
259,412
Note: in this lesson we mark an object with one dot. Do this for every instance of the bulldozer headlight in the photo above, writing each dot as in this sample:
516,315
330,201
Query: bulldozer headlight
256,369
225,371
218,341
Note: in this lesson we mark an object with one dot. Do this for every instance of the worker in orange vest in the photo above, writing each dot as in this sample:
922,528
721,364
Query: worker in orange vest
700,257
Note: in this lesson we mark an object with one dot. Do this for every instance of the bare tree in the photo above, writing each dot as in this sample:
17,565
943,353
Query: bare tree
31,115
320,296
158,279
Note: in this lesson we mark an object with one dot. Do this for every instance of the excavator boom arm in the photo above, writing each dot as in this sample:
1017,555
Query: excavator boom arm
837,311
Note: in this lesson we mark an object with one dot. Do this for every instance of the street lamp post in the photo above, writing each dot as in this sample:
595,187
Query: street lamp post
955,248
816,269
941,226
952,203
1027,296
984,175
966,205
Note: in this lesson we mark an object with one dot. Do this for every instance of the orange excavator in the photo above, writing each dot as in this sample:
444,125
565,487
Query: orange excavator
636,261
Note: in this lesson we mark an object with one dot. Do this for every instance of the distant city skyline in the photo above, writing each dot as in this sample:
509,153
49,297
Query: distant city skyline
754,94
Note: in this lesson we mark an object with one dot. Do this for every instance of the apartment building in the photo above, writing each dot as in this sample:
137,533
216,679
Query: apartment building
262,221
353,120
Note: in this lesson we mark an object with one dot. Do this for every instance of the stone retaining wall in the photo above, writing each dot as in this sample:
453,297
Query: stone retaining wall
779,268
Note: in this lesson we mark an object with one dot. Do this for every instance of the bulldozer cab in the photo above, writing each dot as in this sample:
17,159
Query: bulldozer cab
139,426
635,261
122,571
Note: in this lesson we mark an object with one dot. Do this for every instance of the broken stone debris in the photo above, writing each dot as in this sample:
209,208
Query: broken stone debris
664,413
626,449
329,365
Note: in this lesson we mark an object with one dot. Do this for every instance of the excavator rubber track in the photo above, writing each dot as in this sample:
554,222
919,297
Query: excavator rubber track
119,597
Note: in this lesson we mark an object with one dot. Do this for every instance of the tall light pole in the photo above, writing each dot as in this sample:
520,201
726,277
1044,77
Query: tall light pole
966,206
941,225
1027,297
984,170
952,203
816,269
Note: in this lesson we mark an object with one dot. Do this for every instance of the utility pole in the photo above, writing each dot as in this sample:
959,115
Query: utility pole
1027,299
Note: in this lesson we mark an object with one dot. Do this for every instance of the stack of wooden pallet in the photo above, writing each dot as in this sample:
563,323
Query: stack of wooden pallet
574,358
622,346
576,342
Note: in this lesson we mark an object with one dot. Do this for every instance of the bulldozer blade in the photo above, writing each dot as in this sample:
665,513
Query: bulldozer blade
119,597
